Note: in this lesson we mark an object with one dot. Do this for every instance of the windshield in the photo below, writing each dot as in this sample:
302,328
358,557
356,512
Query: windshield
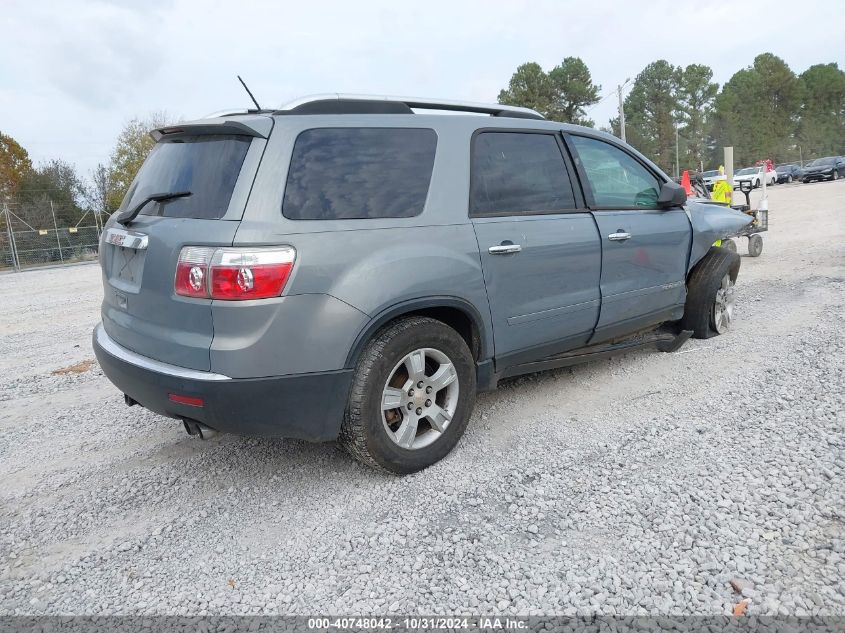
207,166
747,171
828,160
711,173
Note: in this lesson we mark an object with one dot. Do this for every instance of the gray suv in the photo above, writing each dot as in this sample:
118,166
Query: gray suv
353,268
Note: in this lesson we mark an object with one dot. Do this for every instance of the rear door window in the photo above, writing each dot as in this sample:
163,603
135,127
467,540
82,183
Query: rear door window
616,178
207,166
517,173
359,173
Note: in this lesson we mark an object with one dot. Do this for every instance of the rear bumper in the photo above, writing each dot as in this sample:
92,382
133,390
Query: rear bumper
304,406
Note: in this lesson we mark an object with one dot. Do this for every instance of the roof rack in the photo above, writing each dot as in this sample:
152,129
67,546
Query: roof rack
336,103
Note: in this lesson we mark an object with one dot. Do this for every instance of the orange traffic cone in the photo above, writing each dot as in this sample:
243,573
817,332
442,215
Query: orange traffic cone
685,183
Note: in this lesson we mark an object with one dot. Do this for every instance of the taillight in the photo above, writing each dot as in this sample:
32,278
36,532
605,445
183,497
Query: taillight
192,271
233,274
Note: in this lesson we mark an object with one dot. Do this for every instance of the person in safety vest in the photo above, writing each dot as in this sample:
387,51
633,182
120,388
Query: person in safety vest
722,191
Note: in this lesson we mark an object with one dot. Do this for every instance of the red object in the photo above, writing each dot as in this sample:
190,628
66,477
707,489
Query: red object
233,274
185,271
189,400
685,182
249,282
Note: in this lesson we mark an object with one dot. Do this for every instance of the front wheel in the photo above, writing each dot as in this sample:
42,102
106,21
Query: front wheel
835,175
412,396
729,245
710,294
788,179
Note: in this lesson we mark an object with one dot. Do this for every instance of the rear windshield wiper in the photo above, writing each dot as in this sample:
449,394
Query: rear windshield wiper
127,216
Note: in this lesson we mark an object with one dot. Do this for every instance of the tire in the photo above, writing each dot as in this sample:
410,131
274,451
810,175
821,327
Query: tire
371,434
755,245
729,245
789,179
709,287
835,175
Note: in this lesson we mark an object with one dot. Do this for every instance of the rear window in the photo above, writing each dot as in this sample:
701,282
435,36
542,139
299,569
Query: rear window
207,166
358,173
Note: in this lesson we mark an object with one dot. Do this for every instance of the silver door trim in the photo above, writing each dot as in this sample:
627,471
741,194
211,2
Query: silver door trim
504,249
126,239
108,345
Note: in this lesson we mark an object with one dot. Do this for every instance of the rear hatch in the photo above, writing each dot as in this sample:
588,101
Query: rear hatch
212,165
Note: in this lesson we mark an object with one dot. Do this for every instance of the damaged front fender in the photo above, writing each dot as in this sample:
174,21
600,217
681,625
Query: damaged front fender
711,222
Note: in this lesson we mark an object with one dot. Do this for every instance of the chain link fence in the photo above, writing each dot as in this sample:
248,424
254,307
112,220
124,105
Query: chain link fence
55,237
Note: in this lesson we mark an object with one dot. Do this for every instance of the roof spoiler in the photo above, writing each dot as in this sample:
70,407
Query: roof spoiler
250,125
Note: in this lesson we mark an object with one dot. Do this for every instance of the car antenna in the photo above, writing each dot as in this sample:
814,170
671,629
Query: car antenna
243,83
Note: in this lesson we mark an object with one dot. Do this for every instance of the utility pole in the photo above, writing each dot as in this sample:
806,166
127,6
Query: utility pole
622,110
677,158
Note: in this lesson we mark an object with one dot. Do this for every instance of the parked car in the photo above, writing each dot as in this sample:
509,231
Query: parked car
755,176
348,269
827,168
788,173
710,177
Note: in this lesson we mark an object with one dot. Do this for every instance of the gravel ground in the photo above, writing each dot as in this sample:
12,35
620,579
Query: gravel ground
647,484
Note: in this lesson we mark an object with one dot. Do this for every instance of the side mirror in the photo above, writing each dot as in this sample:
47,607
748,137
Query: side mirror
745,186
671,195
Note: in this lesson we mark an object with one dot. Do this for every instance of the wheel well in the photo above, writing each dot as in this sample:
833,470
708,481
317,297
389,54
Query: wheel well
458,321
456,318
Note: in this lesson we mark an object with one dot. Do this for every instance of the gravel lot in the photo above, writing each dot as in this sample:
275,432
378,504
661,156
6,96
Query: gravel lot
640,485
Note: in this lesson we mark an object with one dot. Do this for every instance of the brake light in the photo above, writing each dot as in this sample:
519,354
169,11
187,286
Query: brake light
233,274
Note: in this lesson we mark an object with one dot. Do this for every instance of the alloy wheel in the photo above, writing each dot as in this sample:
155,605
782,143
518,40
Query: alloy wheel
723,306
420,398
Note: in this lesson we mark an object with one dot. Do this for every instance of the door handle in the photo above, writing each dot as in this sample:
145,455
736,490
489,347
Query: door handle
504,249
619,237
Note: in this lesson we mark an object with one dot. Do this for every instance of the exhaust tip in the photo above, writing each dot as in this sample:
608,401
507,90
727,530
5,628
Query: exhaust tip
205,432
198,429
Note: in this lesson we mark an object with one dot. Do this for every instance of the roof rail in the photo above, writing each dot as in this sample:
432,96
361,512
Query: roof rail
336,103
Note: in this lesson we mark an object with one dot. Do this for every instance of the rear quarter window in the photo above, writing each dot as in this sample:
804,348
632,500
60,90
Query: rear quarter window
359,173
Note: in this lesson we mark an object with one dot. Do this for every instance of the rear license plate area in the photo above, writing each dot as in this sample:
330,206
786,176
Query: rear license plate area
126,267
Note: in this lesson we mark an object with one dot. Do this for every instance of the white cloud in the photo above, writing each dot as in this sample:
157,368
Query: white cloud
73,72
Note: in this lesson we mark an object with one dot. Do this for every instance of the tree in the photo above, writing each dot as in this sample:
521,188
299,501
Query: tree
14,166
757,111
696,95
529,87
574,91
560,95
98,190
821,129
130,151
651,111
55,182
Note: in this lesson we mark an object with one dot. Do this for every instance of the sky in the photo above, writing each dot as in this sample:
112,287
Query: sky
72,73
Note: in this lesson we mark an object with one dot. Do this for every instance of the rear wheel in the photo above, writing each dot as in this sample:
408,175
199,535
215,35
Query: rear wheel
411,398
755,245
729,245
710,294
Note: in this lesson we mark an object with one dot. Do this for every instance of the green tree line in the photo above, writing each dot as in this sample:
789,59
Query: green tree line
765,111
